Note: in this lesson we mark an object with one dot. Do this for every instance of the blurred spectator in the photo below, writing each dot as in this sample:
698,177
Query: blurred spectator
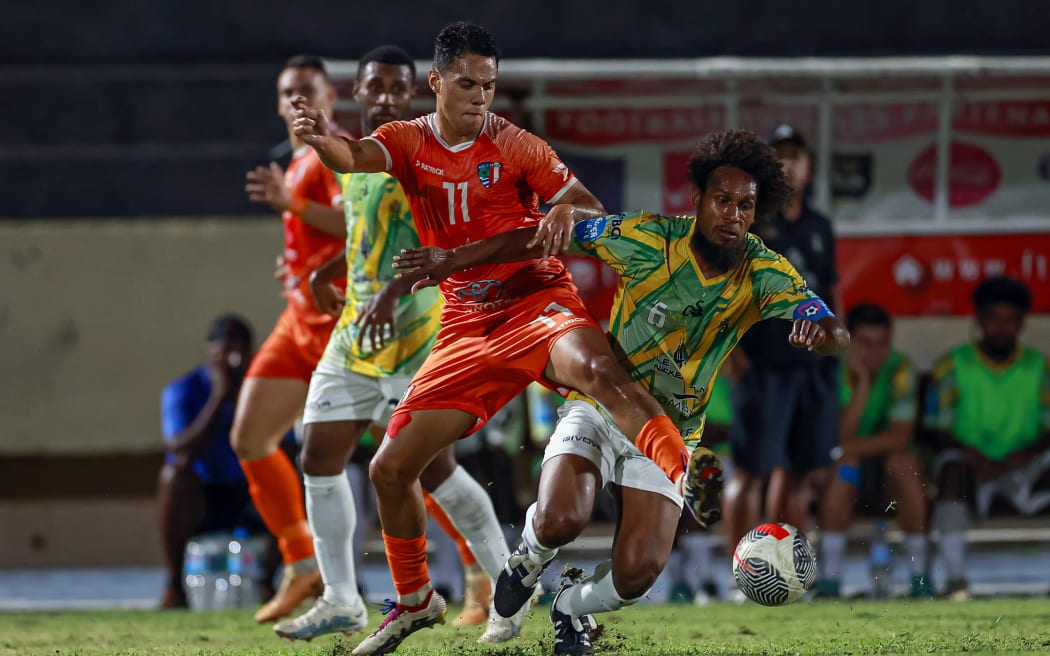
786,401
880,408
694,546
202,488
989,404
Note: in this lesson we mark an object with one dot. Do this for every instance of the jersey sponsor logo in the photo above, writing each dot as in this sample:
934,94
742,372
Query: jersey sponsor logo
665,366
812,310
582,439
680,356
488,173
480,291
694,310
429,168
590,229
615,232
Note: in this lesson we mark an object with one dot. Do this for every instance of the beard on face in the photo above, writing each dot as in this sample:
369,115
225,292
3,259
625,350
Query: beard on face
723,258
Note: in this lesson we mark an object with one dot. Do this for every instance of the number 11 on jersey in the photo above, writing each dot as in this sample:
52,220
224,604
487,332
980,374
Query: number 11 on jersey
452,188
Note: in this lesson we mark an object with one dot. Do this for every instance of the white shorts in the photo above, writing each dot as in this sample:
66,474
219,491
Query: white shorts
336,394
583,431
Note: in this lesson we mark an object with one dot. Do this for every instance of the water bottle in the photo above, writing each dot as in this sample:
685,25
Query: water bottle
194,569
881,564
244,570
215,548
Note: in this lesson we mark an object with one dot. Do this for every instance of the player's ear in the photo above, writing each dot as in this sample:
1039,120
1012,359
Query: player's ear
434,81
695,194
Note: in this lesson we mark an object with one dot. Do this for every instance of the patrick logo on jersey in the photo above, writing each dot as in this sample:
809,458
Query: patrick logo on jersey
488,173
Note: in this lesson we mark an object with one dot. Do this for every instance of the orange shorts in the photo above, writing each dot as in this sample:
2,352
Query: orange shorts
479,365
293,348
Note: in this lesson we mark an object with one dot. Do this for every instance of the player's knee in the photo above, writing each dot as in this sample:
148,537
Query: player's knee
388,472
601,372
635,572
556,527
902,463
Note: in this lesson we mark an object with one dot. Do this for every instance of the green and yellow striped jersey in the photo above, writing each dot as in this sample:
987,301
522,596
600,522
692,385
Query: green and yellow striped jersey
672,326
378,225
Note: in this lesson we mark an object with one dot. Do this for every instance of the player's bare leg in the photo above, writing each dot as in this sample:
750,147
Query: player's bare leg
645,533
583,360
568,486
266,409
181,507
412,441
908,491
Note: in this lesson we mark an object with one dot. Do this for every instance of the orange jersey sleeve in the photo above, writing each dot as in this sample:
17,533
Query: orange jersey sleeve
543,170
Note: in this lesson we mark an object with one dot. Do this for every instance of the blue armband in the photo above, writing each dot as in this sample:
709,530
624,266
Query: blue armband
812,310
590,229
850,474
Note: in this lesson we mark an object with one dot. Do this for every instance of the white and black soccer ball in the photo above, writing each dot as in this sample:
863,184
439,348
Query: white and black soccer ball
774,564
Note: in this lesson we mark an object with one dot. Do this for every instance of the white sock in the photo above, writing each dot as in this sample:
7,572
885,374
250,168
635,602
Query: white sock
469,507
915,544
952,518
595,594
364,504
953,551
696,564
832,548
537,551
332,516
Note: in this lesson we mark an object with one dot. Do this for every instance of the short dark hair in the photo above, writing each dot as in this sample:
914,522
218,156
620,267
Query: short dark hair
387,55
747,152
1002,289
311,62
230,327
462,38
868,314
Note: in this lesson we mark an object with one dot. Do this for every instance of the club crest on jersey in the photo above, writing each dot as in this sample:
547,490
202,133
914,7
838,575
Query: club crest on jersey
488,173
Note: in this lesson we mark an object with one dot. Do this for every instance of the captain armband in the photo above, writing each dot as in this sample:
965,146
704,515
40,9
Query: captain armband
812,310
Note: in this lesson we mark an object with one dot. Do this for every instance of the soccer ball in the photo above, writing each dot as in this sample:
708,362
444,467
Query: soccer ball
774,564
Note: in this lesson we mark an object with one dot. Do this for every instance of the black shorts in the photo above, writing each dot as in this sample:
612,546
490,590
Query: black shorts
786,417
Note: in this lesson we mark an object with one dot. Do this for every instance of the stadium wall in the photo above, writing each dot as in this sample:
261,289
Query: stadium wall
97,316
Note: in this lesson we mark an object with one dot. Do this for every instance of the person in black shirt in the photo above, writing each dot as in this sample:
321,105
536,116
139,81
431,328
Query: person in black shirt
785,399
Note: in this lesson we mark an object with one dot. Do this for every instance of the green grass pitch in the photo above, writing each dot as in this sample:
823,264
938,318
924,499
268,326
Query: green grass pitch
895,627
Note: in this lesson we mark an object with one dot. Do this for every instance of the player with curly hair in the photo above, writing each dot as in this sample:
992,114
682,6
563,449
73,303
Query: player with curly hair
469,174
689,288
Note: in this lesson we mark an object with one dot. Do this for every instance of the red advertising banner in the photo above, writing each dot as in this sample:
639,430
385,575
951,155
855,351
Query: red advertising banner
922,275
601,126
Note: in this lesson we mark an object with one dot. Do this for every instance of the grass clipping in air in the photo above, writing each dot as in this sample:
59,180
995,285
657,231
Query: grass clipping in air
895,627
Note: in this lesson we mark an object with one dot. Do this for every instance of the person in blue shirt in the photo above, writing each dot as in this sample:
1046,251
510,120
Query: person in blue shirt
201,487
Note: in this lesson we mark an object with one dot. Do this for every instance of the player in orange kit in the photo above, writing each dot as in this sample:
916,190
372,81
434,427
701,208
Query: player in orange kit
274,391
470,174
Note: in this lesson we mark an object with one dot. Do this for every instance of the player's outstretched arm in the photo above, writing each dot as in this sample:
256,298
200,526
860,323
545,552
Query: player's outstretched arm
827,336
337,152
552,236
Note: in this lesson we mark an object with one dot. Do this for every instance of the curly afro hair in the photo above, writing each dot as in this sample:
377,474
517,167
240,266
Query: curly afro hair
747,152
1002,289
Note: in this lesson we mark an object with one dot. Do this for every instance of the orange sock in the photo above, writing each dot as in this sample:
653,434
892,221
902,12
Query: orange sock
407,558
661,441
465,554
274,487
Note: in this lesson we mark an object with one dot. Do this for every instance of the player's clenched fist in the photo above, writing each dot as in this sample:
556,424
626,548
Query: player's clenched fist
808,335
309,123
554,232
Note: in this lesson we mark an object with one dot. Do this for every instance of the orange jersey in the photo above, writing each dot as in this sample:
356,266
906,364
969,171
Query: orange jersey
307,247
474,190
